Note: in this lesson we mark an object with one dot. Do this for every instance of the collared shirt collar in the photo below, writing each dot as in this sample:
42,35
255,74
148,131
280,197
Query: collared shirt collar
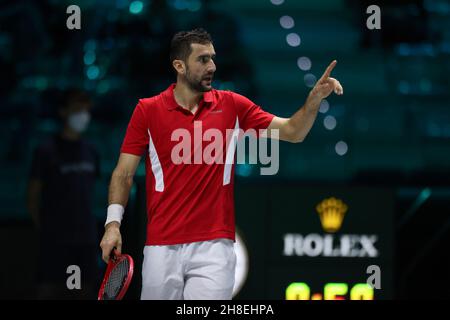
172,103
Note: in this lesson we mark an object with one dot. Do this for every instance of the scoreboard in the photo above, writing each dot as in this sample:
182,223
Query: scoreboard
314,243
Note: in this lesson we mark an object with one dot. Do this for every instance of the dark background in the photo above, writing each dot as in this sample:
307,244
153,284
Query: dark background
394,116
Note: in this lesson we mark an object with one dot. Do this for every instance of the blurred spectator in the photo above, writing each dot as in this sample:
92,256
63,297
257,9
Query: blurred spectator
61,184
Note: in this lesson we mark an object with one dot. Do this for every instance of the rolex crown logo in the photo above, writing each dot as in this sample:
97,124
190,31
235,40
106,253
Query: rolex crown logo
331,212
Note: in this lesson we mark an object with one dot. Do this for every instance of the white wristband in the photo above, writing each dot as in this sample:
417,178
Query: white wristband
115,213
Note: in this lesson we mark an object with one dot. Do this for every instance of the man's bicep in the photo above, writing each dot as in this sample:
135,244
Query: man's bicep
128,163
251,116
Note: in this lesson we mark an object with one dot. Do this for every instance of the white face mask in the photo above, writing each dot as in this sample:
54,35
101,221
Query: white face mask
79,121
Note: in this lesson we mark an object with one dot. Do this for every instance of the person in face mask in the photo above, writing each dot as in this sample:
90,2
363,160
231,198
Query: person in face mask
61,184
75,114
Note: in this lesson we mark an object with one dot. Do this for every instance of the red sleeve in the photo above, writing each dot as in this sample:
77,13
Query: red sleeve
250,115
136,138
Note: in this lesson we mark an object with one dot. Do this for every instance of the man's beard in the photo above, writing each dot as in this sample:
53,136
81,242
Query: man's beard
196,85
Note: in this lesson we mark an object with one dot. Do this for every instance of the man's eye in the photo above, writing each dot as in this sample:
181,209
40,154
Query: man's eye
205,59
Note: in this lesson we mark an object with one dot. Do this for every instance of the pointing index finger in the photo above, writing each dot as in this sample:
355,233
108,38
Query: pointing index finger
330,68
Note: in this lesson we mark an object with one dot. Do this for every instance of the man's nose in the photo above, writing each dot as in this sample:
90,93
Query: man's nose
211,67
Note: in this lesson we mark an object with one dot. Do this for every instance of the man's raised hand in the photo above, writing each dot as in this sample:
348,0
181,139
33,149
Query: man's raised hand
325,85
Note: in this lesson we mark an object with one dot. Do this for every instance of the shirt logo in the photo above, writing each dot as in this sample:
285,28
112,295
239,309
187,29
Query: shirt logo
76,167
216,111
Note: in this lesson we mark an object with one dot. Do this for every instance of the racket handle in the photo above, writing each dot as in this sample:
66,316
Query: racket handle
114,254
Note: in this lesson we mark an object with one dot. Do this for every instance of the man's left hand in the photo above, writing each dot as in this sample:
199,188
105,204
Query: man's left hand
325,85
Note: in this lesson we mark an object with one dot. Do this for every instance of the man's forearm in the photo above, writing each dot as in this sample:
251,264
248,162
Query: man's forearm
299,125
119,188
302,121
119,191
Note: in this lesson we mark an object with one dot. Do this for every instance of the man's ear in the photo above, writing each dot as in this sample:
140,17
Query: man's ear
179,66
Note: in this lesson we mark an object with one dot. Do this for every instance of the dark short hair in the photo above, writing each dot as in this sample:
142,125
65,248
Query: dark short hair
180,46
73,95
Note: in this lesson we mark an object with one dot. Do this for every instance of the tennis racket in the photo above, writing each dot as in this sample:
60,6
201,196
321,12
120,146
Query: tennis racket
117,279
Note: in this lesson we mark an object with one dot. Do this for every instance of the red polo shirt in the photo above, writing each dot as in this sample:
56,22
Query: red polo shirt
189,198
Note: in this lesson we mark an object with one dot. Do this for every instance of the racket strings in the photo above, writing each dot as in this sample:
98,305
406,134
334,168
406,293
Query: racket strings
116,280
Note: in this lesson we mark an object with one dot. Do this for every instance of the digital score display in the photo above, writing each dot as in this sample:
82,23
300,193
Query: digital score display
317,243
331,291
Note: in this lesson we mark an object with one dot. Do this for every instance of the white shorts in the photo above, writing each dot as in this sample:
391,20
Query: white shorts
192,271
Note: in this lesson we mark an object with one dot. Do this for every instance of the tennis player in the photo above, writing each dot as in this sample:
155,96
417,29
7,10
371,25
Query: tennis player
189,252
